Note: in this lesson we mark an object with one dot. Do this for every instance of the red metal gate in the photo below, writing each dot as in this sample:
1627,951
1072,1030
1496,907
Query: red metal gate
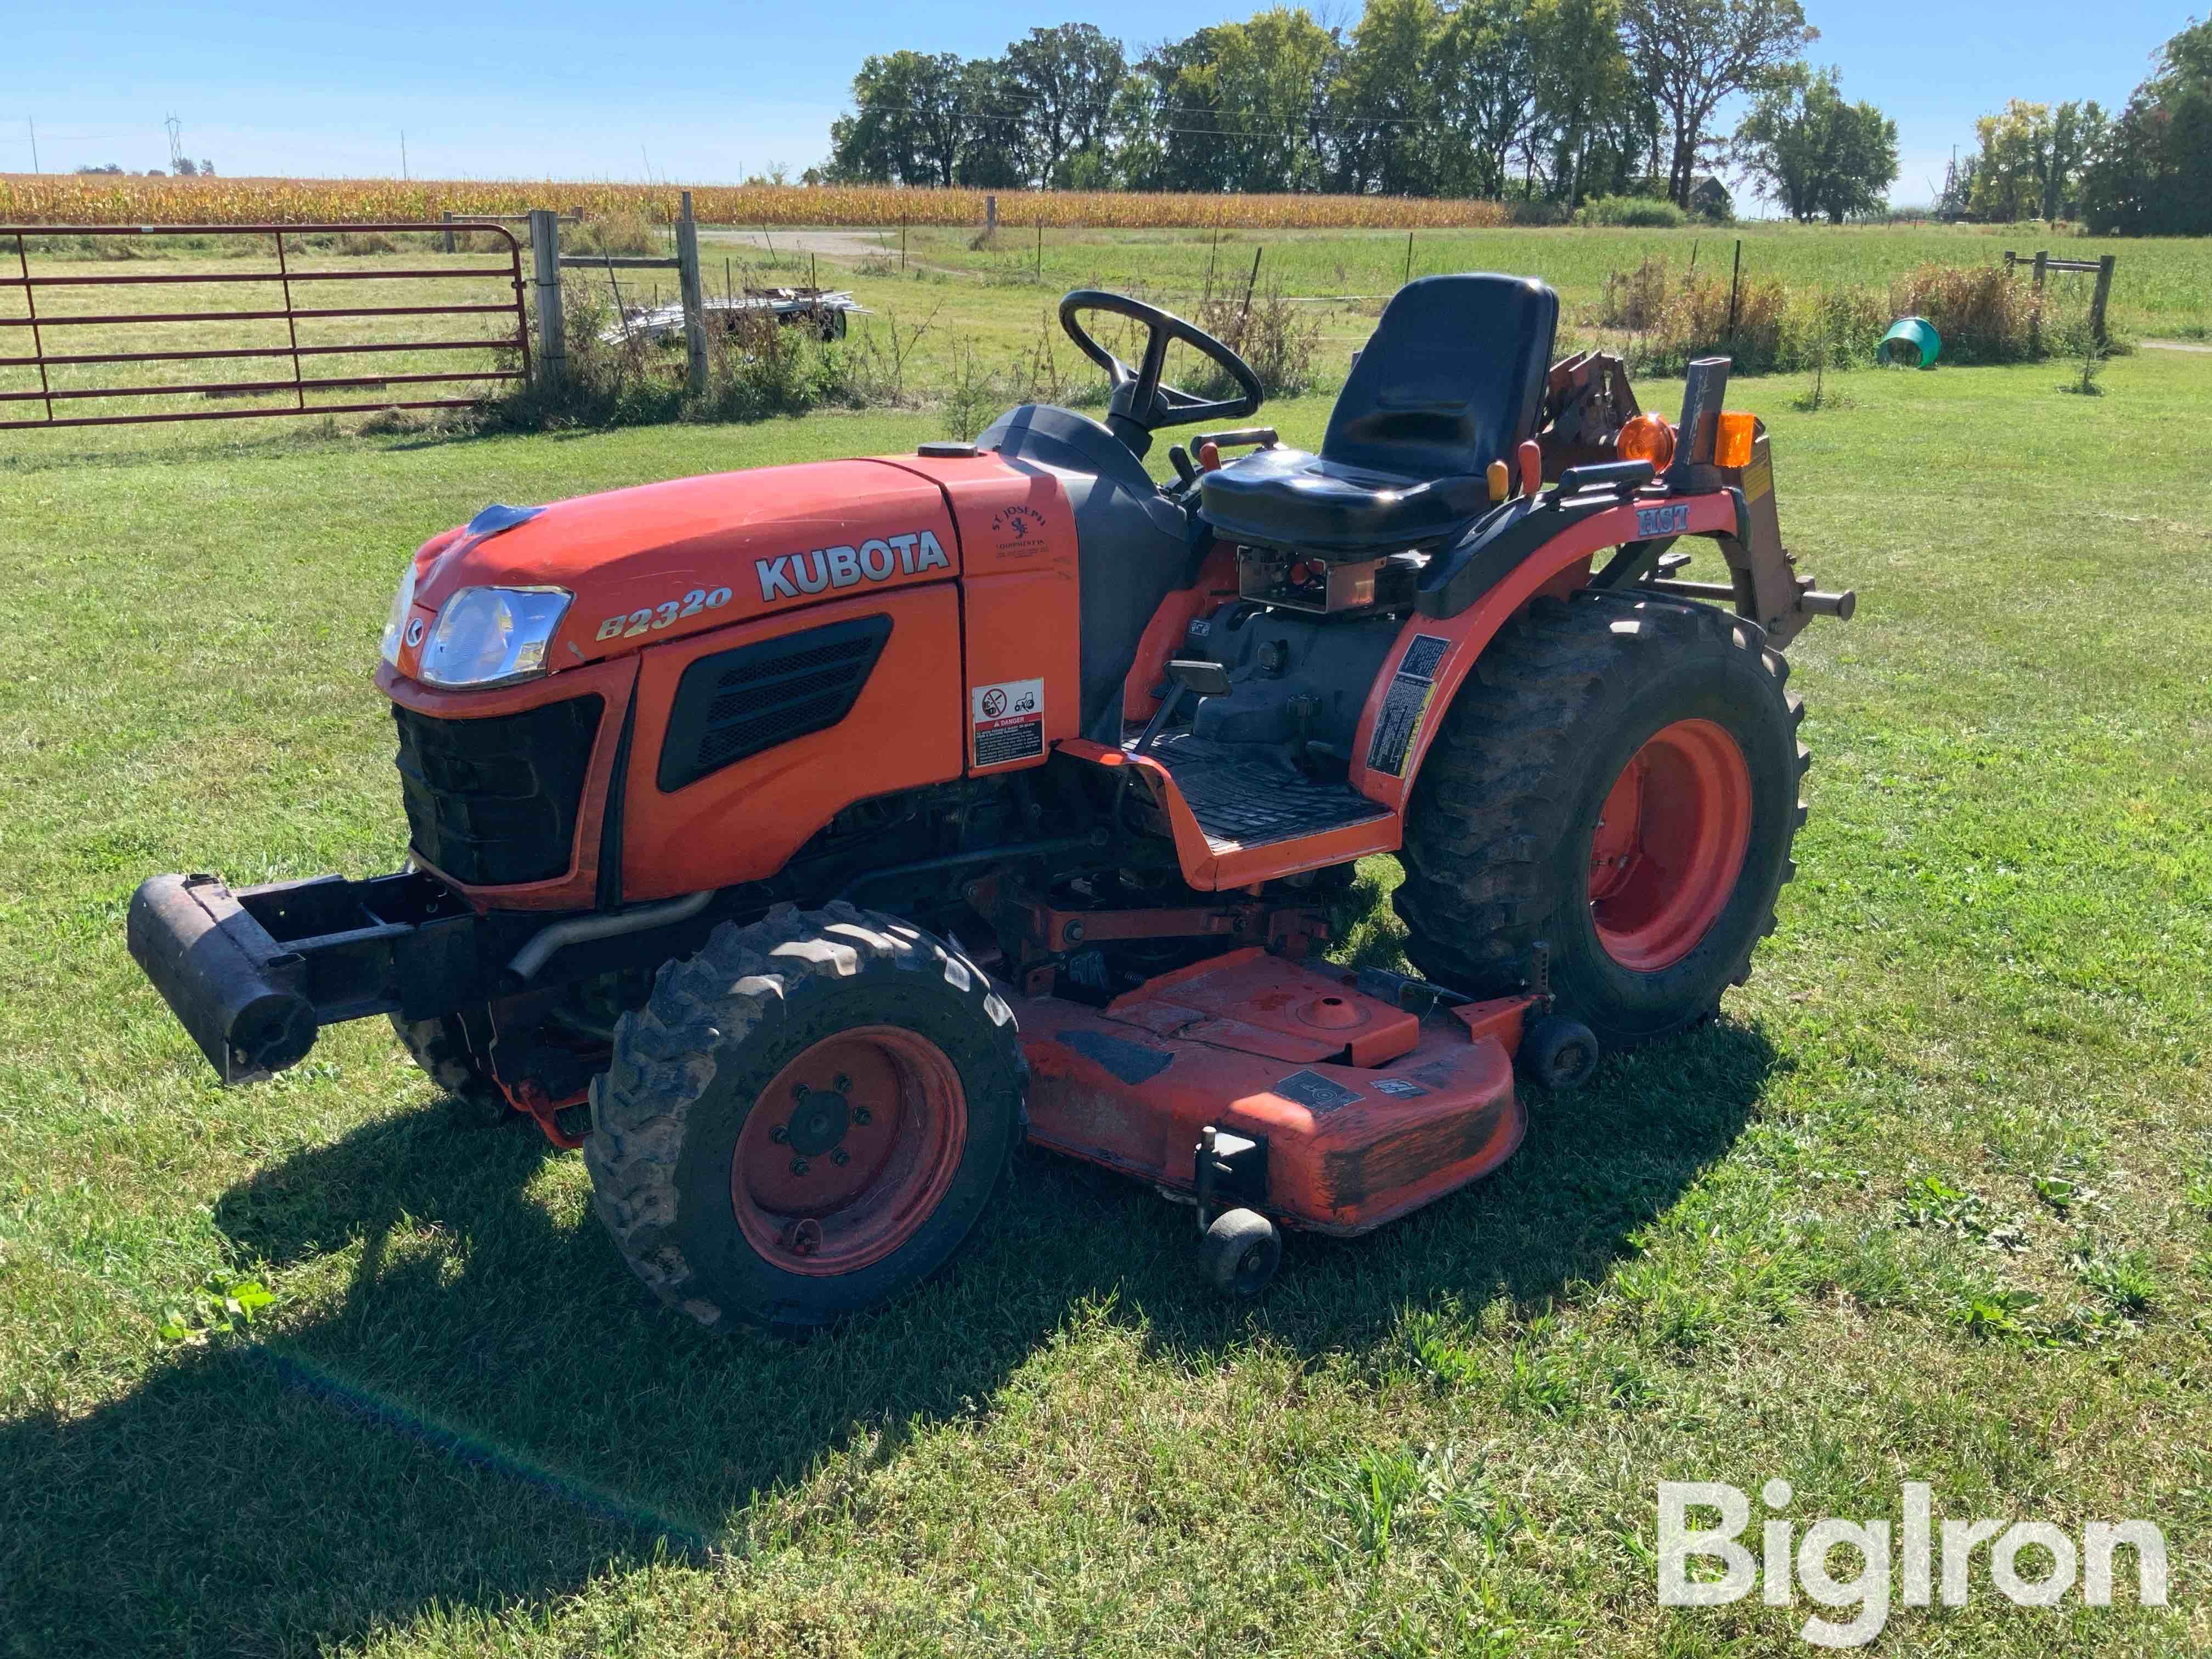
507,349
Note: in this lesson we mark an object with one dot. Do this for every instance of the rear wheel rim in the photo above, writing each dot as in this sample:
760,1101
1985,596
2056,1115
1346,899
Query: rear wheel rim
848,1151
1670,844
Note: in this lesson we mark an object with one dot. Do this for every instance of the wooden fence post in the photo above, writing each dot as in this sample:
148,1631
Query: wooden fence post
695,300
990,217
448,217
545,263
2104,293
2035,317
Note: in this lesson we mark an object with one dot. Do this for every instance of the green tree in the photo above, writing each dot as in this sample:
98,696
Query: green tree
1813,152
993,152
1485,70
909,122
2153,175
1694,53
1595,118
1234,106
1383,103
1063,80
2031,159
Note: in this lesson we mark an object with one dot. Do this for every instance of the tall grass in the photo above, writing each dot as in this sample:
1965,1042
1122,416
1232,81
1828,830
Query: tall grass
1983,314
755,368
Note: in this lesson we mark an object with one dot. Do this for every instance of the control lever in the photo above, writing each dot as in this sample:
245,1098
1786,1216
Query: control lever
1208,679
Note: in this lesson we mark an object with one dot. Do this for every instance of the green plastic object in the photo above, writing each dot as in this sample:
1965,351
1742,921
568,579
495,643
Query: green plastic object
1911,341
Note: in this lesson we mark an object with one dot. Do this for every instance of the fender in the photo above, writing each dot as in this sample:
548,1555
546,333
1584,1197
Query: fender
1434,653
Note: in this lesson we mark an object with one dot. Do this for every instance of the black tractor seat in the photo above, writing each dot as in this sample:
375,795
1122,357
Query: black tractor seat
1288,498
1452,379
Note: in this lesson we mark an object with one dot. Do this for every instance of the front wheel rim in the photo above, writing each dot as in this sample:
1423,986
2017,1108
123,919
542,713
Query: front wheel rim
1669,843
848,1151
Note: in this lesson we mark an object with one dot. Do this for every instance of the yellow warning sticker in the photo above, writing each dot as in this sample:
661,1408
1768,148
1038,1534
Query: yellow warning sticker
1759,476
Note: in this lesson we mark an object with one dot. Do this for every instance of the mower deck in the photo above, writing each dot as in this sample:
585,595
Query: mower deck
1358,1111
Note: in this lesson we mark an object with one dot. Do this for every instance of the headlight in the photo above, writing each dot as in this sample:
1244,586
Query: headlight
401,603
490,636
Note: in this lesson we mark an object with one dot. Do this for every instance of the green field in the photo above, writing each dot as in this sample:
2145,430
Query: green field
2159,284
956,310
1932,1200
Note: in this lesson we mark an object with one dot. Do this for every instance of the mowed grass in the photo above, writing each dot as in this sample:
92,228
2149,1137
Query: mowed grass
1971,1069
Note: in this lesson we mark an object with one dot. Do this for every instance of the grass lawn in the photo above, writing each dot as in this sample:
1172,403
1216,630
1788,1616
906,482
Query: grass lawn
1932,1200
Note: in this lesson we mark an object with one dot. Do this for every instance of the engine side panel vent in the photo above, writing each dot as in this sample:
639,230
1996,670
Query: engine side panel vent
734,704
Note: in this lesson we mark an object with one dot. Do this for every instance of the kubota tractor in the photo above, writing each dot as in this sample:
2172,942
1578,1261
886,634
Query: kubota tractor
797,841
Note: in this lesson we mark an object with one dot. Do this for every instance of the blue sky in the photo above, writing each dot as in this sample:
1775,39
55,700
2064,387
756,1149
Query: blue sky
707,93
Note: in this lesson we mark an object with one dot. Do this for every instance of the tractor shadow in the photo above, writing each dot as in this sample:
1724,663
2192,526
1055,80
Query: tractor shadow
494,1411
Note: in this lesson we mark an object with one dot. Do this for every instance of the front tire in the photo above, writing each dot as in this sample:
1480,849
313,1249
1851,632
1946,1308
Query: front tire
1618,778
806,1120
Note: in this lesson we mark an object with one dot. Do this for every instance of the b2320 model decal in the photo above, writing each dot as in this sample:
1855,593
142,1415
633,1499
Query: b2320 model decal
651,619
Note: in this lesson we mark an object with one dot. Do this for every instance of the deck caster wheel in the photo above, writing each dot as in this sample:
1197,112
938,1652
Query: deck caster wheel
1240,1252
1559,1053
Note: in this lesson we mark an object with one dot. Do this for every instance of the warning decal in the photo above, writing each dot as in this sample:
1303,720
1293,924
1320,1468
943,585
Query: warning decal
1316,1093
1007,721
1759,476
1405,705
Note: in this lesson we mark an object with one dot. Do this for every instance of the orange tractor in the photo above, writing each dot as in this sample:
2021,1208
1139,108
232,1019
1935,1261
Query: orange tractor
798,842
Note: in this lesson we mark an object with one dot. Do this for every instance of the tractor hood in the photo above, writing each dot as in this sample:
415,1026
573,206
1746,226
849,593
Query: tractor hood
663,560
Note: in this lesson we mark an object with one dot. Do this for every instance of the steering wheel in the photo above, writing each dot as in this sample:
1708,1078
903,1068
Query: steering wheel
1141,404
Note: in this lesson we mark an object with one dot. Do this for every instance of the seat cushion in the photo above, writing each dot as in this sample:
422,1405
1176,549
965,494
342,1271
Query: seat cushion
1288,498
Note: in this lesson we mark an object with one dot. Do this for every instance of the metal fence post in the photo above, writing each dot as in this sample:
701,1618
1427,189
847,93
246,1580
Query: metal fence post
2035,317
2104,293
695,300
545,265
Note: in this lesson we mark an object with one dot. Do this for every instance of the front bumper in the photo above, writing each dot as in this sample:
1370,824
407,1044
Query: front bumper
253,976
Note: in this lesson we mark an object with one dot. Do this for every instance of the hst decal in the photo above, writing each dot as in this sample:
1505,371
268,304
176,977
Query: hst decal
874,560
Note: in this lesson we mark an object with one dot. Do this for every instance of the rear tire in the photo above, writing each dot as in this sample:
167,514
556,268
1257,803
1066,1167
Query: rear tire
1570,704
806,1119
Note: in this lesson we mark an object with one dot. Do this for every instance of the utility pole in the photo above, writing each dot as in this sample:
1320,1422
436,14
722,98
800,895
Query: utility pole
402,155
33,126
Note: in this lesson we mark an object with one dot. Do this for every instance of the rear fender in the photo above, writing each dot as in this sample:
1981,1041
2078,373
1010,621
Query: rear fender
1433,653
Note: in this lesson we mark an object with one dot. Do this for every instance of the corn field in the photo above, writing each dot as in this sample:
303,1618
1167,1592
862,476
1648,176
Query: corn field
108,199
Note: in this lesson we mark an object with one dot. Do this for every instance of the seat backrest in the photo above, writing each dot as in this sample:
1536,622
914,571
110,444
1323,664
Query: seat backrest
1452,379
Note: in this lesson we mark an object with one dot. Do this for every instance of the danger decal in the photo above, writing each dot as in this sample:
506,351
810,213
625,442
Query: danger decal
1007,721
877,559
1405,705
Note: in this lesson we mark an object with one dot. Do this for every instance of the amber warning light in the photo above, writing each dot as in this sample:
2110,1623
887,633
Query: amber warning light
1732,443
1647,438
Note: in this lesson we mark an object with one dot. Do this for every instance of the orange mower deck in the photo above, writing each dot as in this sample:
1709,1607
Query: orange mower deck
1362,1110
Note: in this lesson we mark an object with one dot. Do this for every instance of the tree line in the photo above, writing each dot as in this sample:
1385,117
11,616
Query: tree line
2146,173
1550,100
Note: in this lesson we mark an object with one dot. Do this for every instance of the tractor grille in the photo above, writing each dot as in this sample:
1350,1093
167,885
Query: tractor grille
493,802
734,704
